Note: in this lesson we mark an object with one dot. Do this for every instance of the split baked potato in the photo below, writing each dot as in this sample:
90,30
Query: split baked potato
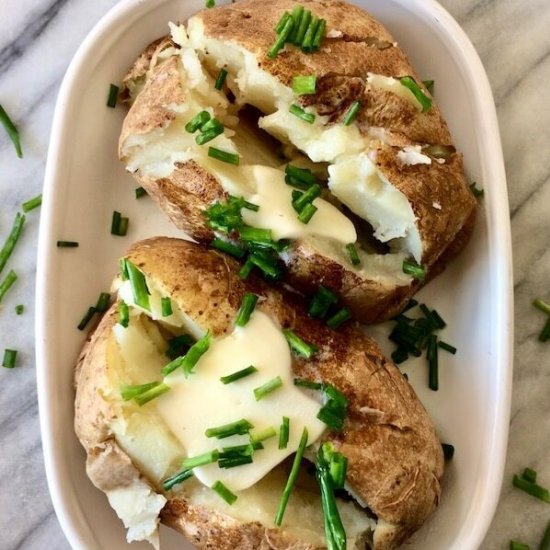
369,132
395,460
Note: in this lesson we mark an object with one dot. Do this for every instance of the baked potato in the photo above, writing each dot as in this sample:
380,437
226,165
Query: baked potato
367,131
395,460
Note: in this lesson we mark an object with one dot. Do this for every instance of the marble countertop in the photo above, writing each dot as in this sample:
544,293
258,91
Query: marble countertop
37,42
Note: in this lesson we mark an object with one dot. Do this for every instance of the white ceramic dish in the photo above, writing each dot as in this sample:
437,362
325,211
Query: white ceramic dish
85,183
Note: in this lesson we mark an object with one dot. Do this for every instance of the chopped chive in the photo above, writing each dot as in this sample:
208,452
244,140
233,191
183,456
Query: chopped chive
123,269
446,347
410,304
222,75
178,345
291,478
239,450
200,460
176,479
433,371
296,14
532,489
246,269
67,244
224,492
140,192
240,427
151,394
233,377
299,177
234,461
307,42
123,227
262,435
321,302
307,198
255,234
303,383
191,358
140,291
10,355
422,98
338,468
166,306
87,318
333,412
103,302
228,247
12,239
429,85
448,450
338,318
529,475
198,121
437,320
129,392
297,111
305,20
545,542
119,224
19,309
284,432
224,156
416,271
112,97
319,34
298,345
352,253
12,132
281,38
267,266
265,389
7,283
210,3
545,332
352,112
247,307
123,314
281,23
399,355
304,85
518,546
210,130
307,213
245,204
539,303
476,192
32,203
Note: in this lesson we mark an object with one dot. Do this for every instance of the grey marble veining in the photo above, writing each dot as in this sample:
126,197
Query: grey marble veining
37,41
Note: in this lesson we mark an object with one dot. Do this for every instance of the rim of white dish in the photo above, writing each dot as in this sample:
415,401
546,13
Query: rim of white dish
485,502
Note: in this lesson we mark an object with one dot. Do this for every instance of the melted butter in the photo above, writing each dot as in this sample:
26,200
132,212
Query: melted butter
201,401
274,197
390,84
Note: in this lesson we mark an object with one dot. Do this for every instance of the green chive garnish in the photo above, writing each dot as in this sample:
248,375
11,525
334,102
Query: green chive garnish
224,492
255,234
228,247
166,306
297,111
200,460
291,478
151,394
140,192
224,156
222,75
233,377
304,85
448,450
129,392
307,213
32,203
447,347
518,546
477,193
298,345
530,475
303,383
429,85
333,412
19,309
140,291
282,22
198,121
210,130
266,433
123,269
239,450
234,461
321,302
7,283
432,356
307,42
302,178
532,489
281,38
247,307
267,388
305,20
539,303
87,318
415,270
297,13
123,314
119,224
67,244
12,239
178,345
545,332
338,469
284,432
103,302
338,318
12,132
319,34
191,358
352,253
176,479
246,269
240,427
422,98
10,355
112,97
352,112
545,542
210,3
307,198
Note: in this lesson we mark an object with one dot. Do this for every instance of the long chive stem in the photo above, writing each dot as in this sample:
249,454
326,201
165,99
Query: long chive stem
224,156
281,38
140,291
200,460
239,427
129,392
7,283
532,489
12,239
233,377
151,394
422,98
176,479
12,132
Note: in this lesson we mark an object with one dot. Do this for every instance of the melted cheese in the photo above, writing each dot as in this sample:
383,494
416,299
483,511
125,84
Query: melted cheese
274,197
393,85
201,401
